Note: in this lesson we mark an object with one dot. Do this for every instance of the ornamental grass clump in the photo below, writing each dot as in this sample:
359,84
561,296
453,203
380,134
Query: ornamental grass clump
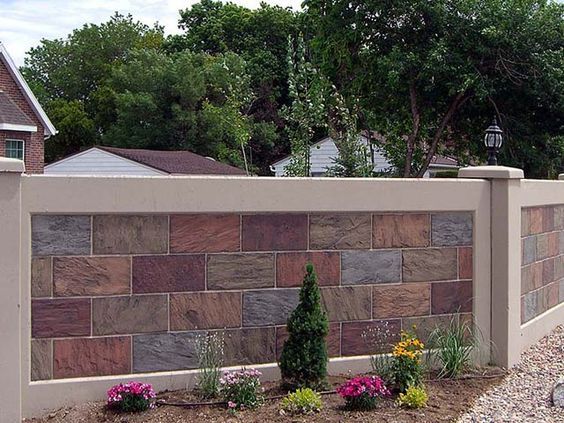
131,397
406,361
303,401
362,393
303,362
241,389
452,346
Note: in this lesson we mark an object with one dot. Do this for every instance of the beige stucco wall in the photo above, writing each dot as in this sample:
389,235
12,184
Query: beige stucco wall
76,195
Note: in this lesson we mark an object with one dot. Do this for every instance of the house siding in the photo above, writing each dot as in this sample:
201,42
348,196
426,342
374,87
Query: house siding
34,141
323,155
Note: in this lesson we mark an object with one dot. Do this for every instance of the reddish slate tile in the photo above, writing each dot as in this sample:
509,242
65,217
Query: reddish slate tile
250,346
175,273
552,293
205,233
535,220
41,277
403,300
91,276
41,359
91,357
548,219
290,268
347,303
56,318
128,315
525,222
205,310
465,263
121,234
451,297
547,271
531,277
348,231
240,271
356,337
553,244
400,230
274,232
430,264
333,340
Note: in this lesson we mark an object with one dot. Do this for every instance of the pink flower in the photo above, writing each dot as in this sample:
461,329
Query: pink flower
231,404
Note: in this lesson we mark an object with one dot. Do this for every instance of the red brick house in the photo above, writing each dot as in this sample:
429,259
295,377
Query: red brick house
24,126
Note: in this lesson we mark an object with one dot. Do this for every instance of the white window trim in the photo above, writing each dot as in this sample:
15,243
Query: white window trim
16,140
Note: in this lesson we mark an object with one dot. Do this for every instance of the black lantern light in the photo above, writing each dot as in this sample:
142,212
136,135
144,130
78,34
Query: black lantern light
493,141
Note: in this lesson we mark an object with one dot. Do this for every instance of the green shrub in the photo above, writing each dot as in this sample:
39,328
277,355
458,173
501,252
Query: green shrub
452,346
303,401
209,350
414,397
303,362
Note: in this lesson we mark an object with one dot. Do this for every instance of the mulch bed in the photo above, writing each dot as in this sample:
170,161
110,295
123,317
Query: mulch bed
448,399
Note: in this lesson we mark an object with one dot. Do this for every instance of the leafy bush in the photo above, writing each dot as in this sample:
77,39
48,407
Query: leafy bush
362,393
303,401
303,362
241,389
209,350
131,397
406,361
452,346
414,397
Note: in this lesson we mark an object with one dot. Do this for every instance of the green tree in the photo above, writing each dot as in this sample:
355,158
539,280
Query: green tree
431,74
260,37
185,100
76,69
305,115
303,362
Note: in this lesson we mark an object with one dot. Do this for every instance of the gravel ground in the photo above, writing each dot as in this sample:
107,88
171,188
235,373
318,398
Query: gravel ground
525,394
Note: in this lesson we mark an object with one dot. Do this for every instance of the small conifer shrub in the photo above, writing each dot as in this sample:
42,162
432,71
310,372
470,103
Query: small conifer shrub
303,362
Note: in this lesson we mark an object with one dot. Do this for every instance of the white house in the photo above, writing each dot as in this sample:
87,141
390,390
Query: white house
110,161
323,153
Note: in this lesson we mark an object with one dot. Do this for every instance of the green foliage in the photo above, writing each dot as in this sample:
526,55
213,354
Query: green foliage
131,403
407,369
305,115
303,362
210,353
451,346
414,397
447,174
428,72
302,401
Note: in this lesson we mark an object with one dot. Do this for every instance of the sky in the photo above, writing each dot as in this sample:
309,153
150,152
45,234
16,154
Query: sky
23,23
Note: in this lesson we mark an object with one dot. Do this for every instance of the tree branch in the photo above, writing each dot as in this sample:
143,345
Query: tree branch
456,102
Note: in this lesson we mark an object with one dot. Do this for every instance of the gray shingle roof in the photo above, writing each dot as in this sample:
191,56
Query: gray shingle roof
11,114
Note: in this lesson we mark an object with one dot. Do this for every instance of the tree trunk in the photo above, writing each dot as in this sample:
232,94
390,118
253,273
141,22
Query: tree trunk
453,107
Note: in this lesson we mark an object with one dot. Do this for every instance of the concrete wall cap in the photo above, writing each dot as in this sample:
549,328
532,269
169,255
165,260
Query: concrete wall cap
561,177
11,165
491,172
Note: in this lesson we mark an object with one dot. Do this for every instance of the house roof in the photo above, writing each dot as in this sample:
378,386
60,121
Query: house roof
175,162
49,129
11,116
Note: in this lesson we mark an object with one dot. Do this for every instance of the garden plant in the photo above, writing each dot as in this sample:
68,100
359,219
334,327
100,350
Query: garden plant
210,351
407,368
302,401
241,389
362,393
414,397
303,362
131,397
